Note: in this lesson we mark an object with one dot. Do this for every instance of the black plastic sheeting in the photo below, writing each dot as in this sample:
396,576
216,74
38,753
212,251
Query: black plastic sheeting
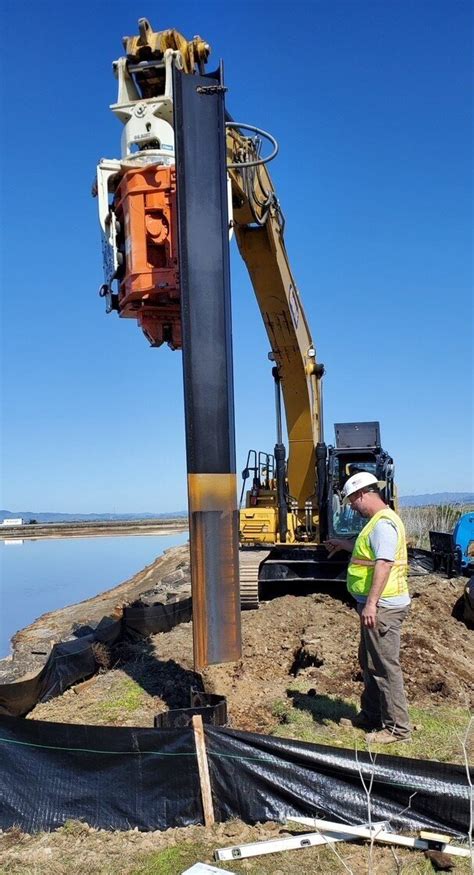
72,661
265,778
113,778
121,778
68,662
420,562
149,619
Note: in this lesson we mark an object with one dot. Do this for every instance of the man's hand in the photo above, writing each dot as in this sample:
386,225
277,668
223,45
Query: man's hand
368,615
333,545
382,571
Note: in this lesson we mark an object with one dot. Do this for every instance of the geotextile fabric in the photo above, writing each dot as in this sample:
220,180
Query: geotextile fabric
267,778
72,661
111,777
121,778
420,562
68,662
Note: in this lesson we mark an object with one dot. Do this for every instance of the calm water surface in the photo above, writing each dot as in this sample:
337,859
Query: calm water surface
43,575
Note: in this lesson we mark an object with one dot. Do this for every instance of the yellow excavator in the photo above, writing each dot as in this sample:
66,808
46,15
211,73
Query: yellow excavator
290,500
291,505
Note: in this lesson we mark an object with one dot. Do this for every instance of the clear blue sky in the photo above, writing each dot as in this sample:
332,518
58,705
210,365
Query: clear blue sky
370,104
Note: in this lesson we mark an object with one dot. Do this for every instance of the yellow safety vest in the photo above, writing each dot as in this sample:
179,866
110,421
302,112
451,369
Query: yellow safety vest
362,562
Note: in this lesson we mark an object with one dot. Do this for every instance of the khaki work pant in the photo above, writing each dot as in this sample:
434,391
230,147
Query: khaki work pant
383,699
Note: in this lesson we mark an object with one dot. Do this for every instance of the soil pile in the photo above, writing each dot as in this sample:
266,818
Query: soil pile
311,639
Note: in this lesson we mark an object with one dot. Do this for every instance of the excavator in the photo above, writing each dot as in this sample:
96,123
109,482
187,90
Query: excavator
290,498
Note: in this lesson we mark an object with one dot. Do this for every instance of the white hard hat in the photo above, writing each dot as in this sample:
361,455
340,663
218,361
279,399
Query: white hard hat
359,481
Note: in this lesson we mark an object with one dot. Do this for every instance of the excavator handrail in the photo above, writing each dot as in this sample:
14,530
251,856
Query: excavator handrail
263,468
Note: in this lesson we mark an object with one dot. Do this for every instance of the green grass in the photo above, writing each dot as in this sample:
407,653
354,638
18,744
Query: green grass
124,697
173,861
166,862
311,861
74,828
316,719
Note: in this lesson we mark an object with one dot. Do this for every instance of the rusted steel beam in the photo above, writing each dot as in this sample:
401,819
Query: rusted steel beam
214,568
199,123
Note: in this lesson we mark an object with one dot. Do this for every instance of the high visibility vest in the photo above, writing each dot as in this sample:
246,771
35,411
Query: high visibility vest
362,562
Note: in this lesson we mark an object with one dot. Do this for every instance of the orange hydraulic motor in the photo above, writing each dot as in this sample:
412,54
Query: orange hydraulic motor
137,193
148,278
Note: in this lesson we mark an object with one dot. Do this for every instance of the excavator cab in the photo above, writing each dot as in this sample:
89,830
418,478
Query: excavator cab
358,448
303,559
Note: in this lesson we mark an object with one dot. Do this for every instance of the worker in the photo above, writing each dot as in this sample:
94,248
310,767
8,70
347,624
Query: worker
377,579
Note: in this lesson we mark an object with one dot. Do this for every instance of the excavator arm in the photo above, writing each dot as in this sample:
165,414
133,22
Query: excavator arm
262,247
259,229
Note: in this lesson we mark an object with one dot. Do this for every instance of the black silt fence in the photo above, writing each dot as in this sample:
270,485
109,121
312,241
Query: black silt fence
121,778
71,661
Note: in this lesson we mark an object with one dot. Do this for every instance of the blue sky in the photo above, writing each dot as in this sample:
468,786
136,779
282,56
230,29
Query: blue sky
370,104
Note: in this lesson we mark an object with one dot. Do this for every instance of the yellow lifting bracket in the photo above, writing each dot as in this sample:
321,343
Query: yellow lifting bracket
150,44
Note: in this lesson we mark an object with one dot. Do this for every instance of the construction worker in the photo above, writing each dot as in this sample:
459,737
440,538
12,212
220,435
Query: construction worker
377,579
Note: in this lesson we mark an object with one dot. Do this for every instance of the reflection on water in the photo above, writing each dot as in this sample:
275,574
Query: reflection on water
48,574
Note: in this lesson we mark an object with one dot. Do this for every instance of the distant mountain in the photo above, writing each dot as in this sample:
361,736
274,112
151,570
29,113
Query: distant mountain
85,517
436,498
27,515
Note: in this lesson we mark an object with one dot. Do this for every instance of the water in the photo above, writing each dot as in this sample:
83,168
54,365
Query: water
44,575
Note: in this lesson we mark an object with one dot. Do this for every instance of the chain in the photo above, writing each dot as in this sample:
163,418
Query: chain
211,89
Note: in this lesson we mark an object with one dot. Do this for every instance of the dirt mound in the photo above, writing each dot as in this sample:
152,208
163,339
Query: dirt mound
293,645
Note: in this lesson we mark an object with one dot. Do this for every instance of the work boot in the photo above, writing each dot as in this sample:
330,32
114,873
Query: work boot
361,721
385,736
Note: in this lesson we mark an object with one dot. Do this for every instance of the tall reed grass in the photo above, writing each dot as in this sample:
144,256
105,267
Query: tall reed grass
419,521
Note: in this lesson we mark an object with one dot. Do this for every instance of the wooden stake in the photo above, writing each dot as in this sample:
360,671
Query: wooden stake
203,767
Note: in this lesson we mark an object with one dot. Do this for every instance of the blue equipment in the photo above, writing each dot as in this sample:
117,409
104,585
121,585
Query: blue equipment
463,536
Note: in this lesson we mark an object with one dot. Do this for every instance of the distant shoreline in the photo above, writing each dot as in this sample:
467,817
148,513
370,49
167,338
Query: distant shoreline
96,529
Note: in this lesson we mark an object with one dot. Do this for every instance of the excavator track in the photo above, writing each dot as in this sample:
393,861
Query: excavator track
250,560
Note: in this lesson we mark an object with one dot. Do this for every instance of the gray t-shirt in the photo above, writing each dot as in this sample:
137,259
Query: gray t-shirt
383,540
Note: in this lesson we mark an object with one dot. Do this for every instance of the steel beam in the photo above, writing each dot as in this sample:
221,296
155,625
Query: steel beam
199,124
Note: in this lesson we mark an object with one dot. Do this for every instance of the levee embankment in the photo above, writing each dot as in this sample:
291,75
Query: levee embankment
95,528
31,646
